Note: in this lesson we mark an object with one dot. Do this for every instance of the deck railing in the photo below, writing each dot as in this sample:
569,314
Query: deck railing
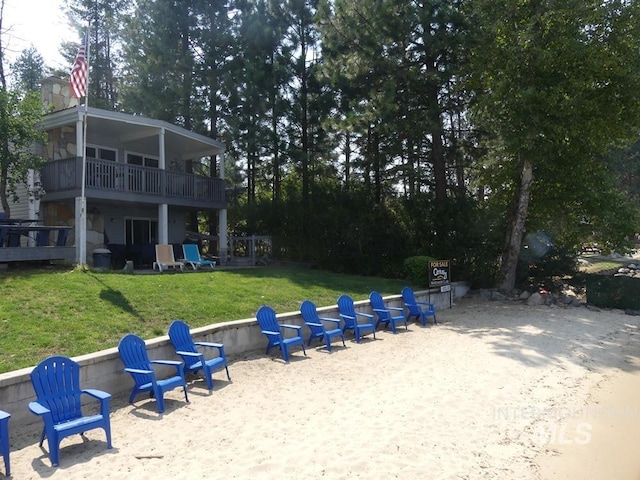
107,176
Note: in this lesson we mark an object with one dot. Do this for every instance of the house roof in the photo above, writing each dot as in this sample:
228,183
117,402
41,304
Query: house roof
135,132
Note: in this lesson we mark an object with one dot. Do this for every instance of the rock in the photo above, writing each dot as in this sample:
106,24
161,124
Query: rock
567,299
535,300
486,294
592,308
634,313
524,295
498,296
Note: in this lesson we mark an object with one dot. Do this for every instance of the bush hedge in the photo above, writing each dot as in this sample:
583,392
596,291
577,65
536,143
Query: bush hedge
613,292
417,270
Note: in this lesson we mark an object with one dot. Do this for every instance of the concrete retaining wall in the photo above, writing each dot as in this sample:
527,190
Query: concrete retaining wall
103,370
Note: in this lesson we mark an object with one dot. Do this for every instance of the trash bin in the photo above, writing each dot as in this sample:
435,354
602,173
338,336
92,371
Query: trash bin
102,258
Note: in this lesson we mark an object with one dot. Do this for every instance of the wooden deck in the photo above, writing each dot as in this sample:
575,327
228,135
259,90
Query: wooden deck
28,254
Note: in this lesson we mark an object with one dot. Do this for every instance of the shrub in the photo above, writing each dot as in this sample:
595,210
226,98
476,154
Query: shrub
417,270
613,292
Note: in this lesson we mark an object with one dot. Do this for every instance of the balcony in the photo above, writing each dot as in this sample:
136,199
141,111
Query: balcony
122,183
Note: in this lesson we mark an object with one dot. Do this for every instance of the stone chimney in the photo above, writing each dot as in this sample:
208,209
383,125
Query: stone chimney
56,94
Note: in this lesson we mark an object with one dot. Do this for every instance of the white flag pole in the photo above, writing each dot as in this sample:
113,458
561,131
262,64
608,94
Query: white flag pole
83,198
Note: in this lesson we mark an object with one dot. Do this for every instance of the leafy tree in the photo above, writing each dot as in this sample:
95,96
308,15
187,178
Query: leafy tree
19,115
20,112
556,84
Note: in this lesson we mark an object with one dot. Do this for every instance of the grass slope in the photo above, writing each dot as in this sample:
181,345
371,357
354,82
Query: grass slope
46,312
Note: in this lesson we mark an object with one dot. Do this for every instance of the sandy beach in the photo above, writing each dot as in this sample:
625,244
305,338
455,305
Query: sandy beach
496,390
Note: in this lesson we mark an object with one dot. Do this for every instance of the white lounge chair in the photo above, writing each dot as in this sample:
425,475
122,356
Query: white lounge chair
165,258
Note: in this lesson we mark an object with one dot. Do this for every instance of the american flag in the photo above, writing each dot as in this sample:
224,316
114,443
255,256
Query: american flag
78,77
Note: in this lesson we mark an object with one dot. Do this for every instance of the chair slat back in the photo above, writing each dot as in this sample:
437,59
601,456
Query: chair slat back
180,338
56,382
346,308
378,304
133,353
309,311
410,301
267,319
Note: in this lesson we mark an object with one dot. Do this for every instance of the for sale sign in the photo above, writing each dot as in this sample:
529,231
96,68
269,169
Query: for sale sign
439,273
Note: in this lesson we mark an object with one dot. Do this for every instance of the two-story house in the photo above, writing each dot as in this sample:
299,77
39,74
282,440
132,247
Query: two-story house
138,186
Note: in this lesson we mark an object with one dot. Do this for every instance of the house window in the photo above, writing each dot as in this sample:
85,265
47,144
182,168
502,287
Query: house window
135,159
144,180
101,175
140,231
101,153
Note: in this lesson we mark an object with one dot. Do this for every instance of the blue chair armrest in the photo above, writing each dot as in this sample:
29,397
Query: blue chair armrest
397,309
38,408
292,327
99,394
313,324
138,370
430,305
342,315
188,354
367,315
333,320
380,309
4,415
270,332
166,362
209,344
171,363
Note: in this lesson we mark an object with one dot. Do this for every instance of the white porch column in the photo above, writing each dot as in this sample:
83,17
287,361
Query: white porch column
163,209
80,204
222,220
163,223
222,235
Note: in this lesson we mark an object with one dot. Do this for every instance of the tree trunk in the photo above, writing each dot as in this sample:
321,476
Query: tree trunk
515,230
3,189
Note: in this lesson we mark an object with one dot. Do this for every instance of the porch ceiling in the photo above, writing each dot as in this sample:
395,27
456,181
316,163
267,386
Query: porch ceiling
136,133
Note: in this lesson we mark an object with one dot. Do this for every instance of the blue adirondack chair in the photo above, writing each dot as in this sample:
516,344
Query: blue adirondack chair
420,310
56,381
386,314
193,258
4,441
274,332
350,316
317,327
194,360
133,353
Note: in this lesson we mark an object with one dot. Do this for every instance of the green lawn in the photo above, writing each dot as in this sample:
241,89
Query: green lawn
45,312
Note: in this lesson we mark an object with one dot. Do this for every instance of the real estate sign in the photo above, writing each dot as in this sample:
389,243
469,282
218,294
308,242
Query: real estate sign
439,273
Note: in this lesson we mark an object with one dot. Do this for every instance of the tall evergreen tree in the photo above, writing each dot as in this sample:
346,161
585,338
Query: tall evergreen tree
104,19
28,70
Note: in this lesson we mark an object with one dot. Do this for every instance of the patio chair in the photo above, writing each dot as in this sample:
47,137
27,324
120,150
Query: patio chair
195,361
193,258
133,353
420,310
317,325
4,441
386,314
56,381
165,258
350,316
274,332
